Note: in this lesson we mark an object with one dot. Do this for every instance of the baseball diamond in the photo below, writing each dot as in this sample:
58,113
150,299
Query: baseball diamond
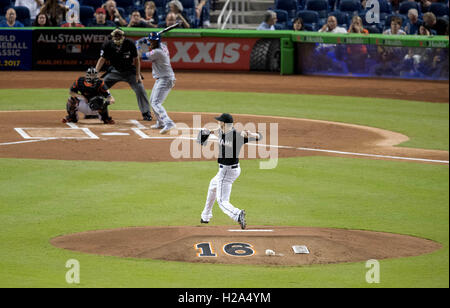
103,194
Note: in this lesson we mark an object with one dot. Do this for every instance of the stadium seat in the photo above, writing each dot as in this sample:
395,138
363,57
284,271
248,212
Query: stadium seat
289,6
94,3
352,7
407,5
301,4
282,20
188,4
86,14
23,15
385,6
320,6
343,18
127,5
310,19
439,9
373,29
4,4
161,5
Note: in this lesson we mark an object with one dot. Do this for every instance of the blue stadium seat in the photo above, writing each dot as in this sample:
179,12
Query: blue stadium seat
94,3
439,9
385,6
310,19
188,4
352,7
282,20
407,5
4,4
373,29
23,15
289,6
127,5
86,14
321,7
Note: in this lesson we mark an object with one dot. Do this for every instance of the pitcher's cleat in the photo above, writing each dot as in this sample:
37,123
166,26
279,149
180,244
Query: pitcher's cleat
241,220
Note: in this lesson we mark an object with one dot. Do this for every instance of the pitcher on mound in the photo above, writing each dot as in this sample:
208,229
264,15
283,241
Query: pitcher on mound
231,142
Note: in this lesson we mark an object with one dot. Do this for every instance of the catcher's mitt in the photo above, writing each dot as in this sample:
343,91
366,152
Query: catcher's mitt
203,136
98,103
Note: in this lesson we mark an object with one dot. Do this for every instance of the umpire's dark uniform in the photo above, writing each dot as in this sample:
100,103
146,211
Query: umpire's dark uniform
123,69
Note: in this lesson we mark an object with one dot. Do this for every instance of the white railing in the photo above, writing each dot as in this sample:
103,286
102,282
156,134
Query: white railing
221,25
234,15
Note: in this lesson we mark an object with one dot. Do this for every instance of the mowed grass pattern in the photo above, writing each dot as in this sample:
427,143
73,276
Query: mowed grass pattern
42,199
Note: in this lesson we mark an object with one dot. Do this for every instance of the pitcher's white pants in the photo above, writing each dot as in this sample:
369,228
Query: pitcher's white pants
220,190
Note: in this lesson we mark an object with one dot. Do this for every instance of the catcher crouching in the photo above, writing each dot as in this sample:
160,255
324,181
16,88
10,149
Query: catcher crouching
90,96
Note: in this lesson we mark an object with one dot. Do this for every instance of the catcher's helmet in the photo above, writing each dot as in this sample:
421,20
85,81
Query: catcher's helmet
91,75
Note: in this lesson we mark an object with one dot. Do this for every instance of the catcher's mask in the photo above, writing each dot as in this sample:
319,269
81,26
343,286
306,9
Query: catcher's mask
91,75
118,36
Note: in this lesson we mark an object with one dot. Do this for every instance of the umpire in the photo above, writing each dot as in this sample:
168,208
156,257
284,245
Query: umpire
125,66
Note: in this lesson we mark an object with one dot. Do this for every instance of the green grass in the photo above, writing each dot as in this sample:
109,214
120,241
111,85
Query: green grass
42,199
426,124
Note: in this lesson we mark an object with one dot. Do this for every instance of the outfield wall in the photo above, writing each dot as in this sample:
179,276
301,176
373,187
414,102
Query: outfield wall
287,52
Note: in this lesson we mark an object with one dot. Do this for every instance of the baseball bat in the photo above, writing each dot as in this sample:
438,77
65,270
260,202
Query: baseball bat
169,28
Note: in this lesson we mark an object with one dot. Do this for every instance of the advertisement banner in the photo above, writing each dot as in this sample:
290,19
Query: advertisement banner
209,53
15,49
373,61
67,49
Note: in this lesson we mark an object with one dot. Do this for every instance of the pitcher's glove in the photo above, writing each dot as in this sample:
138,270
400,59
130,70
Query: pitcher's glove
98,103
202,137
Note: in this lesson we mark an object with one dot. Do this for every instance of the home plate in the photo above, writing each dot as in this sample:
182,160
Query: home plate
115,134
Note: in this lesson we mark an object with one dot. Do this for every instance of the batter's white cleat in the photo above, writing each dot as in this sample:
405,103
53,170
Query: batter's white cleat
167,128
157,126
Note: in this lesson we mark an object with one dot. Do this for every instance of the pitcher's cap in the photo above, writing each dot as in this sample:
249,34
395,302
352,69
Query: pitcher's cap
225,118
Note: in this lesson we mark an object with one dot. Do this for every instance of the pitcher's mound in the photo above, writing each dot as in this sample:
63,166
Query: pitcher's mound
234,246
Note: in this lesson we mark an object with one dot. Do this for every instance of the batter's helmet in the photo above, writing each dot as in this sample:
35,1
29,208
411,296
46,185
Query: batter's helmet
154,36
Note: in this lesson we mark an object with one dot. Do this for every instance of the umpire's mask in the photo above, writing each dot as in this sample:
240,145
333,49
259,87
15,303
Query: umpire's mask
118,36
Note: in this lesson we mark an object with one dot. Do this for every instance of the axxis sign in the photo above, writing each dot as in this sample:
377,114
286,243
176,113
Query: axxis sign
209,53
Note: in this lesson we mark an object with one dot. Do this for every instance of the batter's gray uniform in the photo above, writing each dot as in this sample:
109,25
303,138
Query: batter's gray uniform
165,81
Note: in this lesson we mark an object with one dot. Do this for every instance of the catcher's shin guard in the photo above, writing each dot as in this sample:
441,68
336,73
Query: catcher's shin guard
105,116
72,110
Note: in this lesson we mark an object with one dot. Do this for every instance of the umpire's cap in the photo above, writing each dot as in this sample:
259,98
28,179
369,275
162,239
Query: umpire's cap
225,118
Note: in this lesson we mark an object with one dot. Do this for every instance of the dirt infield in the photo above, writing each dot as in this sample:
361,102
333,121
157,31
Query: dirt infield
256,82
233,246
40,134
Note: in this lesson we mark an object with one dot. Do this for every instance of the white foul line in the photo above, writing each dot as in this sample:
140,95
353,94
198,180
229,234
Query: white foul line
27,141
250,230
375,155
138,125
140,133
